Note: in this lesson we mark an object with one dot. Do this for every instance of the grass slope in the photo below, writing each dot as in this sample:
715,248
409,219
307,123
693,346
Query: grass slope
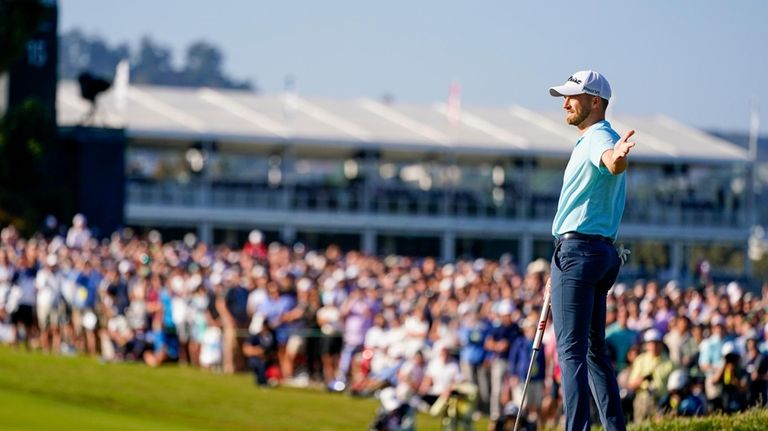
41,392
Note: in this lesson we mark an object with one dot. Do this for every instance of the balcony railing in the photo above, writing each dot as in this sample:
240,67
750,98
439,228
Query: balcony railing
407,201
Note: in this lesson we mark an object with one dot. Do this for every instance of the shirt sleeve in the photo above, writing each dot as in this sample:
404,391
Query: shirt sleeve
599,143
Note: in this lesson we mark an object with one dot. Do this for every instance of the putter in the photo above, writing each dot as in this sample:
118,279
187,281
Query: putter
536,347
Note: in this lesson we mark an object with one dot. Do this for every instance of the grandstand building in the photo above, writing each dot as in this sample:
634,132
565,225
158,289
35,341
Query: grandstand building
402,178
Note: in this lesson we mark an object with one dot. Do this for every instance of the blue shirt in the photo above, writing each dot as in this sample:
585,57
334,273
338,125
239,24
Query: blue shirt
592,200
520,353
472,340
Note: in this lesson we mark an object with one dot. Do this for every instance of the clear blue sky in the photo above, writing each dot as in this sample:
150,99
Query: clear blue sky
699,61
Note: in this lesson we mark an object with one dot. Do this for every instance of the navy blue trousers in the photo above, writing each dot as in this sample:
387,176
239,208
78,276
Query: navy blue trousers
582,272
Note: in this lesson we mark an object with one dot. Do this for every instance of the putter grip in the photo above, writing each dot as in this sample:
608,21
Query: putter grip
542,322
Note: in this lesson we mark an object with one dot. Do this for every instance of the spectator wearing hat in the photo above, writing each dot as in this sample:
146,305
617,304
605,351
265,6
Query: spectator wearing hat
519,359
260,350
497,344
731,377
48,283
24,294
711,358
273,309
79,234
756,366
472,334
648,376
679,400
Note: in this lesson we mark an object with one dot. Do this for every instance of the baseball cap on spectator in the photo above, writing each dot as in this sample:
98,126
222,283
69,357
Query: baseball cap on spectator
330,283
730,348
717,320
338,274
124,267
619,289
538,266
460,282
448,270
583,82
677,380
258,271
304,284
529,322
478,265
652,336
445,285
79,220
154,237
751,334
352,272
466,307
505,308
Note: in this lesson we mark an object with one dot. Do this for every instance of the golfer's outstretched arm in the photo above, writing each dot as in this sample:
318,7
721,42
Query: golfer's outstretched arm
616,159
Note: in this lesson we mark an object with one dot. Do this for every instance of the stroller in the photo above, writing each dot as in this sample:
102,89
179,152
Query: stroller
394,414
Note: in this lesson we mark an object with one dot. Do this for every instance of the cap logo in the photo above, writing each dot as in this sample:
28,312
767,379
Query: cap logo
572,79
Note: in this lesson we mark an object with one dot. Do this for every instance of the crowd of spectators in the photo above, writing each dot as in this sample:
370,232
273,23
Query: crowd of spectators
358,323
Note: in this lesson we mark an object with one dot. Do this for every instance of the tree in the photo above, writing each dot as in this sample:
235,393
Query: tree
203,67
78,52
151,62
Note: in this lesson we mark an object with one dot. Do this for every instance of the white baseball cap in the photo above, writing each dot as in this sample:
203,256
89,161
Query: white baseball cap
652,335
583,82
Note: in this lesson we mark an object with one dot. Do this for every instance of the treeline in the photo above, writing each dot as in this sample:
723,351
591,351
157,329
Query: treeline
151,62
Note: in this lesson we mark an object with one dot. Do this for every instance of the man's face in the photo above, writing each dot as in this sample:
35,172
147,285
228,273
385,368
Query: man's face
577,108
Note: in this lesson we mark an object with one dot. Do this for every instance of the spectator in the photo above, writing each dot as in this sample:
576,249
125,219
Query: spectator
681,344
497,344
441,376
520,353
648,377
260,350
130,297
357,312
79,234
756,366
679,400
22,298
711,358
620,338
273,309
472,334
732,380
48,283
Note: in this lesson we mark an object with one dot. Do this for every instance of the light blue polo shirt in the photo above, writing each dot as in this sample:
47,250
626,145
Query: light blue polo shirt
592,199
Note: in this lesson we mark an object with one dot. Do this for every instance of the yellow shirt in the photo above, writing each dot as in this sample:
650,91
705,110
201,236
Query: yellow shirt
658,367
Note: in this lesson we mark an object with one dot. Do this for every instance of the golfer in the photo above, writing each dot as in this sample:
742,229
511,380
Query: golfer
585,263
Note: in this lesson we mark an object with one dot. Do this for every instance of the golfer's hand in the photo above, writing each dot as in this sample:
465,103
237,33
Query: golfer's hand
622,148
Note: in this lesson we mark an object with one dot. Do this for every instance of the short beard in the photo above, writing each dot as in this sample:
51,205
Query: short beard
575,121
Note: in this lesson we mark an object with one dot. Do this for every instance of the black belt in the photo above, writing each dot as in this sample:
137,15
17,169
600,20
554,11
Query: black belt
576,235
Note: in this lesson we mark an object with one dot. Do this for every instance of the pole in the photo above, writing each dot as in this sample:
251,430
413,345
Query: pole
536,347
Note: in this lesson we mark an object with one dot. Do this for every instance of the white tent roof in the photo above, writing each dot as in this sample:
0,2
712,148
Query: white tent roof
155,112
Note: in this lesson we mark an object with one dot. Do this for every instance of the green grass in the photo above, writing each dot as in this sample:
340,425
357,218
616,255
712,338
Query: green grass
42,392
39,391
